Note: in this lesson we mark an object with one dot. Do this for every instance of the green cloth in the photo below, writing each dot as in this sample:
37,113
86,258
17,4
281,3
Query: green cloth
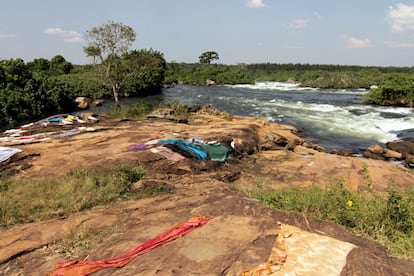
217,151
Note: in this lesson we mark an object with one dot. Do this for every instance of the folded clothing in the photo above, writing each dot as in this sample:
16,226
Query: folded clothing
216,152
186,149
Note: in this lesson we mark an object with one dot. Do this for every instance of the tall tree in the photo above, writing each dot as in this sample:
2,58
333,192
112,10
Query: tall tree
58,65
107,43
207,57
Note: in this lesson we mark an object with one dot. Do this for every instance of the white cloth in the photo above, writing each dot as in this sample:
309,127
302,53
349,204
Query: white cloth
6,153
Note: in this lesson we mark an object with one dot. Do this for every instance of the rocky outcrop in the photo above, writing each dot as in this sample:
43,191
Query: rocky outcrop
84,102
406,148
242,232
378,152
396,150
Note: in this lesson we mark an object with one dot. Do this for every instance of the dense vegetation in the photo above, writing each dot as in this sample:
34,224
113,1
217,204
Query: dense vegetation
198,74
322,76
397,89
41,87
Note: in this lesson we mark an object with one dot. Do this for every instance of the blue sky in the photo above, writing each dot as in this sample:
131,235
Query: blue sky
352,32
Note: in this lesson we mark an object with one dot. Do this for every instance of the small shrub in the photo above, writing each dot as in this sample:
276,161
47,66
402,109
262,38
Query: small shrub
397,216
387,220
139,110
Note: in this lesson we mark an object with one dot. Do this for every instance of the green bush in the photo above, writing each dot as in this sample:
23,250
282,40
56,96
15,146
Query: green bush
398,90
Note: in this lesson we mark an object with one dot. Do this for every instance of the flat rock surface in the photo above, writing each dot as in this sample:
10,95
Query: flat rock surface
242,232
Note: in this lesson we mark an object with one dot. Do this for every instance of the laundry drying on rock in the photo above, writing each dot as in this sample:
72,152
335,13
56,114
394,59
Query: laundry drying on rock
6,153
214,150
176,149
60,125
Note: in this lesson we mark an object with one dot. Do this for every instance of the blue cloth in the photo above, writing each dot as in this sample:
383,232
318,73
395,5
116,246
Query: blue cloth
196,150
55,119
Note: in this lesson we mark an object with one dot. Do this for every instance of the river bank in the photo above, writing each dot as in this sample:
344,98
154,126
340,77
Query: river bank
336,119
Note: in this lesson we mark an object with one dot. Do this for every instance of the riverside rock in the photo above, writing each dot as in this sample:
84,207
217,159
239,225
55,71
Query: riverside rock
242,231
83,102
391,154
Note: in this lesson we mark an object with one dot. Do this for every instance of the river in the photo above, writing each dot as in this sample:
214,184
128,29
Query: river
333,118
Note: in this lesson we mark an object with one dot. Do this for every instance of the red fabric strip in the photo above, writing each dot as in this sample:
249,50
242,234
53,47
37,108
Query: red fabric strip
81,267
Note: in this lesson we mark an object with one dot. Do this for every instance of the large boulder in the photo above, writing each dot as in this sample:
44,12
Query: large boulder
374,152
405,147
83,102
391,154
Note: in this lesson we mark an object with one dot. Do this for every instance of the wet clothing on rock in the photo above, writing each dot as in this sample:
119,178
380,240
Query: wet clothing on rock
215,151
191,148
6,153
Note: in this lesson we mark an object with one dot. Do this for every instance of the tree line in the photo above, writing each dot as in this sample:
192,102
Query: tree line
39,88
387,85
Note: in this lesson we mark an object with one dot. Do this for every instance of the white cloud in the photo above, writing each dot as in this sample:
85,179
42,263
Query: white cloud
68,36
6,36
255,4
393,44
318,16
401,18
356,43
298,24
293,47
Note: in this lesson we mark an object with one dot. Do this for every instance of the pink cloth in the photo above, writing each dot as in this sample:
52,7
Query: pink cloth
137,147
168,153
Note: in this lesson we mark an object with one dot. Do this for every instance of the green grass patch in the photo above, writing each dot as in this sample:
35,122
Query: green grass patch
24,201
387,219
145,107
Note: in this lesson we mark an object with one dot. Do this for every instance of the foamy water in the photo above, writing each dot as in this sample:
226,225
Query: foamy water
335,118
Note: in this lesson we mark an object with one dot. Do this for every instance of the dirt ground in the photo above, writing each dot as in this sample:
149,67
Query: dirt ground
241,233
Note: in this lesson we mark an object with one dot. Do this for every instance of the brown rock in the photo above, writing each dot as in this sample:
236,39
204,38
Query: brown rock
210,82
410,159
376,149
346,152
405,147
371,155
97,102
83,102
390,154
304,150
294,143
